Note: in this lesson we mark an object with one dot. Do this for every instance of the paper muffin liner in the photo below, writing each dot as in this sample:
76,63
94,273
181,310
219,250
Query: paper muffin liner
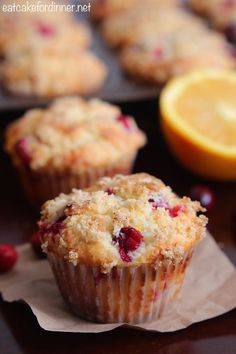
40,186
132,294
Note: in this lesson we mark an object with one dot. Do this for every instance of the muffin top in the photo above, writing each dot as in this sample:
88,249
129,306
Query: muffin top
73,133
159,58
20,34
38,71
124,220
122,29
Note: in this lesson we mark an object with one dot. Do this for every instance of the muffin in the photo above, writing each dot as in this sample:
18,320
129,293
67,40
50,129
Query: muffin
21,34
71,144
158,58
46,72
120,249
122,29
102,9
221,14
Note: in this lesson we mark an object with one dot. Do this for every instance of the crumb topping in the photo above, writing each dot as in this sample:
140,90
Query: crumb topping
73,132
38,71
121,220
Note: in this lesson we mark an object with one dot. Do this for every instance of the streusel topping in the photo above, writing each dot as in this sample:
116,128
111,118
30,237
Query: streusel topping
73,132
128,220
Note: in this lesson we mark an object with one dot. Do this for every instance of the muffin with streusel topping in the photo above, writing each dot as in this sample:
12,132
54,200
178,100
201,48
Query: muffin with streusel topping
119,249
122,30
71,144
156,59
46,72
220,13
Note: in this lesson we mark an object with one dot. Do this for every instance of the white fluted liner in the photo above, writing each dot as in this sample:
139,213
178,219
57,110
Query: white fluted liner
40,186
132,294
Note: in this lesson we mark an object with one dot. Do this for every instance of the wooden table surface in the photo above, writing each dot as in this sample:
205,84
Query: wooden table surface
19,331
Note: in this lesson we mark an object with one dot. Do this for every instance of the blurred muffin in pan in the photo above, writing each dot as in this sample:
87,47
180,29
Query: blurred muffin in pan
221,14
124,29
46,72
101,9
71,144
39,33
156,59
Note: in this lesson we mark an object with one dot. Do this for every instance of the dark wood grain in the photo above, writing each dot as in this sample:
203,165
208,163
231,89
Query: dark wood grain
19,331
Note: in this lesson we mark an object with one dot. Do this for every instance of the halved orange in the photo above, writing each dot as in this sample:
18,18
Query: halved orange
198,115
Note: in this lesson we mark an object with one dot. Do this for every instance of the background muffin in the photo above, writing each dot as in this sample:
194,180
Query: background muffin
48,73
157,59
71,144
119,250
122,29
102,9
23,34
48,55
220,13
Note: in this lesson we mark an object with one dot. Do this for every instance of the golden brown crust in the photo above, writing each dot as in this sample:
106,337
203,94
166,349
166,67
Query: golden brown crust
84,226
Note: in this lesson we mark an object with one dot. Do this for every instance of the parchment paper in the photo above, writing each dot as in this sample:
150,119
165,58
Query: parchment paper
209,290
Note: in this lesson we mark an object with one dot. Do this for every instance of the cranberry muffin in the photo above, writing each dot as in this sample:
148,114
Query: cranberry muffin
21,34
71,144
221,14
125,29
45,72
120,249
156,59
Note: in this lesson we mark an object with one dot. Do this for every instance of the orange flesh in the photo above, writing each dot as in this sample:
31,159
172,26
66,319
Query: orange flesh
210,108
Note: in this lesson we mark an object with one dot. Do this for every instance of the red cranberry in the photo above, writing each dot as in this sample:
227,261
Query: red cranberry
158,52
204,195
36,245
54,228
124,256
176,210
129,239
159,202
110,191
125,121
8,257
45,29
23,151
